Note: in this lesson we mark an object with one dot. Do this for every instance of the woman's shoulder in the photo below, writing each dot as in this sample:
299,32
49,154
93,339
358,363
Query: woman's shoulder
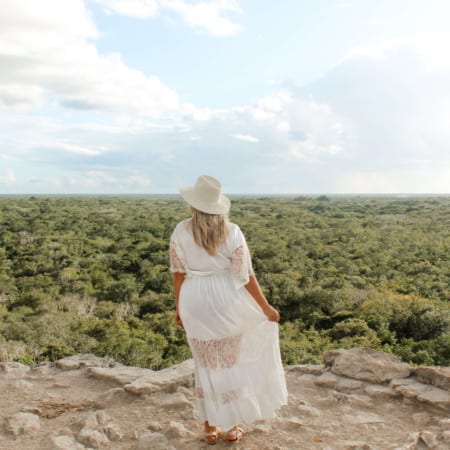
181,226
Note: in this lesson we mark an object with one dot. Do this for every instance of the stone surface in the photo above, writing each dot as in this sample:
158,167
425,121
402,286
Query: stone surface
22,423
436,376
13,369
93,438
380,392
63,443
327,379
164,380
178,430
154,441
313,369
122,375
79,361
365,364
175,400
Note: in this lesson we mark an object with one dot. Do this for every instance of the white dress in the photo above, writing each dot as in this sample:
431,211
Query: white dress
239,376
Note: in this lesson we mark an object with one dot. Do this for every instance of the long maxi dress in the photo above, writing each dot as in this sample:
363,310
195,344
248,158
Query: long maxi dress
239,377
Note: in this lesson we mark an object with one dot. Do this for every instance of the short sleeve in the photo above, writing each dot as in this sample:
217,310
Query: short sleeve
241,262
176,255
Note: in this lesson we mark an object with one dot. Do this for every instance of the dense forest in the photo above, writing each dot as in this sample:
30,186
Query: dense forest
90,274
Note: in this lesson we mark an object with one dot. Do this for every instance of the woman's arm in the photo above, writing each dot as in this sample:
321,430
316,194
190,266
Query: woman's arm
255,291
178,278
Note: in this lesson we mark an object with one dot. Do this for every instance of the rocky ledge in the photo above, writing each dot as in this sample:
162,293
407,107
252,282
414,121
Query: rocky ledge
358,399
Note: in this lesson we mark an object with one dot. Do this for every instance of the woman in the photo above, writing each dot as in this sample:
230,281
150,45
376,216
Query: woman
231,329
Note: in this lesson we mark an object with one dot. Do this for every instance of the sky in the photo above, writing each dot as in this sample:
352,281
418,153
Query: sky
273,97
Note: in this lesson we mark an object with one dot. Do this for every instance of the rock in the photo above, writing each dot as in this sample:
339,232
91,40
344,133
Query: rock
436,397
154,441
22,423
380,392
357,445
445,437
309,411
122,375
327,379
63,443
420,419
102,418
361,417
428,438
424,393
22,385
360,400
80,361
113,395
93,438
178,430
176,400
164,380
348,384
365,364
155,426
184,390
444,424
436,376
113,432
13,370
313,369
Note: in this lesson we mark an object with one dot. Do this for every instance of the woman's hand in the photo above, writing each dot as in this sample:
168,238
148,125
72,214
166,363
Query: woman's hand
178,320
272,314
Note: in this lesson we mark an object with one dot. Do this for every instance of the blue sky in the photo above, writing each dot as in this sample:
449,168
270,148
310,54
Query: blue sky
142,96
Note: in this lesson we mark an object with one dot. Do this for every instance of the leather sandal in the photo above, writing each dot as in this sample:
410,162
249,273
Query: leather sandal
212,436
235,434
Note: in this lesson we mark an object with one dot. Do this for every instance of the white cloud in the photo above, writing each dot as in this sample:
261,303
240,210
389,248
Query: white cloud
206,16
246,138
8,178
131,8
36,68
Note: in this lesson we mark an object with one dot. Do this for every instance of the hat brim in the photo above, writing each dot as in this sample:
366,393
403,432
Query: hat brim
222,206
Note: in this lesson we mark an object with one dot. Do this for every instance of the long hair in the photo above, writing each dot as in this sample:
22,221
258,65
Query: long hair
209,230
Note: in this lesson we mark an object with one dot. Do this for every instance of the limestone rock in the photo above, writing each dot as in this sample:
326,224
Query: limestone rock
313,369
348,384
113,432
327,379
22,423
365,364
309,411
93,438
424,393
63,443
13,370
80,361
122,375
436,376
154,441
380,392
178,430
175,400
164,380
444,424
421,419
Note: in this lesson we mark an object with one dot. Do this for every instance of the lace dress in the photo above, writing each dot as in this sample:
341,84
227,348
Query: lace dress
238,372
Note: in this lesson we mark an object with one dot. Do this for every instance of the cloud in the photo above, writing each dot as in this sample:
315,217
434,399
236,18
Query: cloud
131,8
206,16
37,70
8,178
246,138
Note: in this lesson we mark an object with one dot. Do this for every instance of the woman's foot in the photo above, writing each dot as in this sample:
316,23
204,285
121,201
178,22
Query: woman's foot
212,434
235,434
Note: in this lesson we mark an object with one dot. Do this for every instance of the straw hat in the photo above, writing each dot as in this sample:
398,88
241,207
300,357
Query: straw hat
206,195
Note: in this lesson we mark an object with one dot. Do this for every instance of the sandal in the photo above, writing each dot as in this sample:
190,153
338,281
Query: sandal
212,436
235,434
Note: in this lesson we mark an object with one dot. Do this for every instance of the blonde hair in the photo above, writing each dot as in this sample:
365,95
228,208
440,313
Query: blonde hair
209,230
